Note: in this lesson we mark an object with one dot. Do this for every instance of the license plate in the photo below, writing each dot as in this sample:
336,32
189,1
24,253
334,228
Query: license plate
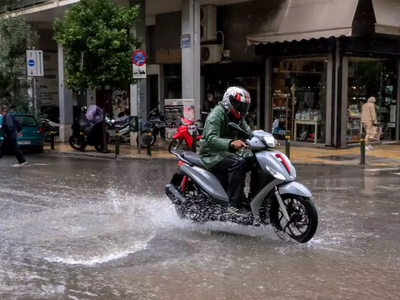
24,142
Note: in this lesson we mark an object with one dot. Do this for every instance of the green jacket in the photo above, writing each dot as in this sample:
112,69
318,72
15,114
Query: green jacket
217,135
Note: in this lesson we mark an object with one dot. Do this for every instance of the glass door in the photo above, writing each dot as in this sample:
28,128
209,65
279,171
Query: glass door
370,77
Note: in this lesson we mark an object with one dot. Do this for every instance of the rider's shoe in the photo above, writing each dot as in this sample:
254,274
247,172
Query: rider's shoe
240,212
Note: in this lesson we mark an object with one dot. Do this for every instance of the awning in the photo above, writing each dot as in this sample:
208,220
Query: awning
387,14
297,20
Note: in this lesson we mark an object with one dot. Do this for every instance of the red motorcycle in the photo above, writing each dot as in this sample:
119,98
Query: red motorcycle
184,134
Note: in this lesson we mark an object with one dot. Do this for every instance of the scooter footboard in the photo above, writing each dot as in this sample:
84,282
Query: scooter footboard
295,188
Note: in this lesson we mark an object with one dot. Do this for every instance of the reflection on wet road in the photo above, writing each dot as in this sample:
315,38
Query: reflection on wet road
92,229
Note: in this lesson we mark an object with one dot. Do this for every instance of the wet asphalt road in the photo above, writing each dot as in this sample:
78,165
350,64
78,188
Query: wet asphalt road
93,229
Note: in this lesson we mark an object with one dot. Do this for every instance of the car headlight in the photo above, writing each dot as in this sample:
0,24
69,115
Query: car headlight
276,174
270,140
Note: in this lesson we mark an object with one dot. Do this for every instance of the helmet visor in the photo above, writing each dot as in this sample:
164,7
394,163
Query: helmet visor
241,107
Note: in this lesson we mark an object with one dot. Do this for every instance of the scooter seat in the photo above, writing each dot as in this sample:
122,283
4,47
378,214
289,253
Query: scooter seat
194,159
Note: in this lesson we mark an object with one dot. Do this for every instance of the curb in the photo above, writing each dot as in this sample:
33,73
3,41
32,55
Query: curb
112,156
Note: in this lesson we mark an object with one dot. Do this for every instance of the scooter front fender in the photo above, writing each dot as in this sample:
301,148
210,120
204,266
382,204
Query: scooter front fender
177,135
295,188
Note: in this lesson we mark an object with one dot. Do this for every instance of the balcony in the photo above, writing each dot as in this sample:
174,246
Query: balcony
22,4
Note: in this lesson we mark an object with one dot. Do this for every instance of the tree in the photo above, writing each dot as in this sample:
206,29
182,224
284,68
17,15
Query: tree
14,35
98,30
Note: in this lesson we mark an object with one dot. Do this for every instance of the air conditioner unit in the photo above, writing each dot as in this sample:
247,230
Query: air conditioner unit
211,54
208,23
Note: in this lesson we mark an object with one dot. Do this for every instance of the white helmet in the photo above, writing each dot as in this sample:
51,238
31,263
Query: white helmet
236,102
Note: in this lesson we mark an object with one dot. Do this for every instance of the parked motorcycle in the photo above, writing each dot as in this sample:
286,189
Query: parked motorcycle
48,127
122,124
281,201
184,134
156,124
91,124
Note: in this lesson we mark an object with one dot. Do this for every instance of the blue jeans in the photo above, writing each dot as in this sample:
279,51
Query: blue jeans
15,148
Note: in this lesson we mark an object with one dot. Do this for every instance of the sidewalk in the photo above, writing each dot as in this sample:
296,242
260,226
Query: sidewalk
382,155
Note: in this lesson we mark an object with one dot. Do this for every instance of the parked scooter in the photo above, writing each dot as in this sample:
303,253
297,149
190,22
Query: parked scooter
287,205
185,134
90,123
122,124
156,124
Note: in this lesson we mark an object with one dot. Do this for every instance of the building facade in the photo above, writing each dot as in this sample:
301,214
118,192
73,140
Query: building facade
309,65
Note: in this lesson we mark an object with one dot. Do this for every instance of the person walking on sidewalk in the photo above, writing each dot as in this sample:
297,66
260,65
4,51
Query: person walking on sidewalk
368,120
11,130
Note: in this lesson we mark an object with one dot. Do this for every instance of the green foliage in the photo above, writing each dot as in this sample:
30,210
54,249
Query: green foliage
100,30
14,34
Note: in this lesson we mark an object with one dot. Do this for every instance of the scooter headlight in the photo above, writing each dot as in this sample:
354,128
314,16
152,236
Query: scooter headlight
270,140
276,174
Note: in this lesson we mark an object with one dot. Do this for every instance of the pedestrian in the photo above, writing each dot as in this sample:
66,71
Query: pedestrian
11,130
208,106
368,120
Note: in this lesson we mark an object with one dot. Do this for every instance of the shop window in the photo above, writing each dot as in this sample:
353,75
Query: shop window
219,86
370,77
299,99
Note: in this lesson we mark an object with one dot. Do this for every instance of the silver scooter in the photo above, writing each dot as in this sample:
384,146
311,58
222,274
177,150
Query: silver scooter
287,205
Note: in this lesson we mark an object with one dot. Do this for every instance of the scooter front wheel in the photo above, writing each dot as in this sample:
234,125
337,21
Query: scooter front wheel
174,145
144,137
303,215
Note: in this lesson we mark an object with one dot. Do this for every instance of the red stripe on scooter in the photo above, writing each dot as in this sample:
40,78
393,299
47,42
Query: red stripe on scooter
283,161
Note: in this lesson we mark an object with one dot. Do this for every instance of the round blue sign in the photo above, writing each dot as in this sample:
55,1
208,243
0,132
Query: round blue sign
139,58
31,62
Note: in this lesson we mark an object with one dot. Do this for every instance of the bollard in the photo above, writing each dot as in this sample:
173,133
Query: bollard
52,140
287,146
362,145
117,141
148,140
194,143
81,140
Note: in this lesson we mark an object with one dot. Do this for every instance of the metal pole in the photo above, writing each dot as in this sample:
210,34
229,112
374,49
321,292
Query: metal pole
287,146
52,140
148,140
362,145
35,97
194,142
139,144
81,141
117,140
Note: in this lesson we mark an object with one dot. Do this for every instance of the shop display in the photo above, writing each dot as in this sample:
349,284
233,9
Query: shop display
372,78
175,109
299,99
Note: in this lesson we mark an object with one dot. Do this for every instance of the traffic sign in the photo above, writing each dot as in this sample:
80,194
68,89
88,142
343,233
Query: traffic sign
34,63
139,58
139,65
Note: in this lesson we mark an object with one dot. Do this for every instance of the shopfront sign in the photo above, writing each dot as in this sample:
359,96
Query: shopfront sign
185,41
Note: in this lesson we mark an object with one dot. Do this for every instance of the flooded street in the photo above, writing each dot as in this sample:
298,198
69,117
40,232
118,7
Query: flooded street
94,229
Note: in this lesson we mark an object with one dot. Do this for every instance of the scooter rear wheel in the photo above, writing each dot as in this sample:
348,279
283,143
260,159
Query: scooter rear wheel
73,142
303,216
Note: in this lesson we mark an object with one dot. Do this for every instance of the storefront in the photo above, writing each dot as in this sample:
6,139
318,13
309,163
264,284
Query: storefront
299,98
322,67
218,78
372,77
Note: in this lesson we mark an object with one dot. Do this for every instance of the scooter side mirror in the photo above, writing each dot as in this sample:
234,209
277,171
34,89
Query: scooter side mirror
240,130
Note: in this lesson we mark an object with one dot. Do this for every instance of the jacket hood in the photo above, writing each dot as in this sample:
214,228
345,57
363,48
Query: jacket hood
371,100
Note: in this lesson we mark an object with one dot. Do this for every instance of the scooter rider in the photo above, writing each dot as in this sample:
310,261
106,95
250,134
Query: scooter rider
219,144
